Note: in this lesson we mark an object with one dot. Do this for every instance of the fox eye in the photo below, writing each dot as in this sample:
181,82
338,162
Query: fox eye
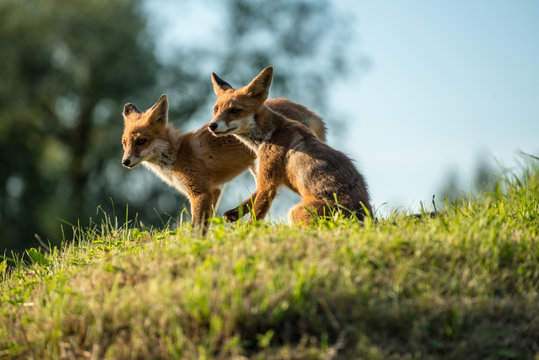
123,143
235,111
215,109
140,142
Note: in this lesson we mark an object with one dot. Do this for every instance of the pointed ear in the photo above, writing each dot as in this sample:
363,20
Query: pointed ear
259,87
219,85
130,109
158,113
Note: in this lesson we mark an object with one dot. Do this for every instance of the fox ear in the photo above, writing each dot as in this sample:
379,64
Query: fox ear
259,87
158,113
130,109
219,85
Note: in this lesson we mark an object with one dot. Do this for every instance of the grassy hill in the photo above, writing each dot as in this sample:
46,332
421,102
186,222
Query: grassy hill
464,285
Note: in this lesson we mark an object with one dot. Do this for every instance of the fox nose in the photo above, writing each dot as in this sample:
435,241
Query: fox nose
213,126
126,162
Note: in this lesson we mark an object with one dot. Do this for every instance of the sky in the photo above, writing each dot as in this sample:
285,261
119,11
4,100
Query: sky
451,82
448,83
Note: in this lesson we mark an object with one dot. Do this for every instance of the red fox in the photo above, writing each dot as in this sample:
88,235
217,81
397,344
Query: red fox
288,154
195,163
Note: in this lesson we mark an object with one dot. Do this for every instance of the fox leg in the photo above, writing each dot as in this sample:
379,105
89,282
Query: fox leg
234,214
262,203
201,209
215,199
306,211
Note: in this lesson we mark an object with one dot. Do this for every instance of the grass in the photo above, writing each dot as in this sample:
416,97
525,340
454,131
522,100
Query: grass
462,285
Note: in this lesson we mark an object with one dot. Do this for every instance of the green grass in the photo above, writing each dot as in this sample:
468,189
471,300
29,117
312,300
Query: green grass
463,285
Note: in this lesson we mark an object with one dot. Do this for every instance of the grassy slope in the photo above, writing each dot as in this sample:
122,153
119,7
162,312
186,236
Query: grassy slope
463,285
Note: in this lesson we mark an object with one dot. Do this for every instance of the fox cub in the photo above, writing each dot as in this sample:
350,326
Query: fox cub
288,154
195,163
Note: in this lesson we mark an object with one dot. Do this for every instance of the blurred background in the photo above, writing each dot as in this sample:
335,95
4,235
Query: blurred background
428,98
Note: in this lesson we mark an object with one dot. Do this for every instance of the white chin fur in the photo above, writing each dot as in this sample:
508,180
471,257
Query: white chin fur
238,126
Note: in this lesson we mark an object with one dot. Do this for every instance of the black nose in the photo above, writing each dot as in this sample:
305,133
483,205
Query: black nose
126,162
212,126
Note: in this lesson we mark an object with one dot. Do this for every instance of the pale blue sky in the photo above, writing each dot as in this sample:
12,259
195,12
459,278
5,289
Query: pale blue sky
449,81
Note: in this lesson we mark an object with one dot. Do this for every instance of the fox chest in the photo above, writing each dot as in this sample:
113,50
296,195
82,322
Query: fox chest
168,177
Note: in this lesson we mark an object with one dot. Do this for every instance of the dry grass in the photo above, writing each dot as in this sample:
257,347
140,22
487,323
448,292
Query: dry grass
462,285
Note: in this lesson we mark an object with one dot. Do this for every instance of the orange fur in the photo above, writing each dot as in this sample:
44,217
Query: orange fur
288,154
195,163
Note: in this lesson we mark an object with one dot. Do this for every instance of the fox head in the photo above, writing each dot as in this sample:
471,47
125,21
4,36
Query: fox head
143,135
235,109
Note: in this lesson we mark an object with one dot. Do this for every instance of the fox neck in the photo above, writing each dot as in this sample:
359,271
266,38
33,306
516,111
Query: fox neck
165,149
261,129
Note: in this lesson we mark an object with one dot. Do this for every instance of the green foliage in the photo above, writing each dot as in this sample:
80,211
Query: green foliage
66,72
37,257
464,284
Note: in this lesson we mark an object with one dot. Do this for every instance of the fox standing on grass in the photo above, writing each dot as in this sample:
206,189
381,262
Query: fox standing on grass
287,154
195,163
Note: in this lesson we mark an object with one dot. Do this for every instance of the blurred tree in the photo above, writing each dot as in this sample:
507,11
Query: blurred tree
67,67
305,41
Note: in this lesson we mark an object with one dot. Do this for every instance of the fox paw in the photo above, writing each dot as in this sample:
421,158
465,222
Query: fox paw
231,215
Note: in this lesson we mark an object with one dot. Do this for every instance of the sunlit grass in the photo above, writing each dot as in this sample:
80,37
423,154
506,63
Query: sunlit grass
462,285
